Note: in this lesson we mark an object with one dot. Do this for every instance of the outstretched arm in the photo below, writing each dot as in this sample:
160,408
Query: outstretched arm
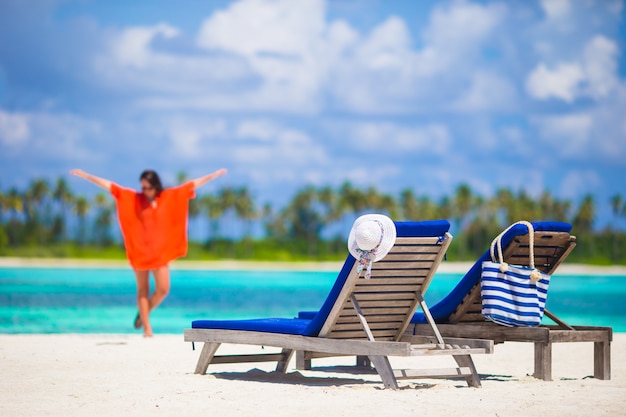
203,180
100,182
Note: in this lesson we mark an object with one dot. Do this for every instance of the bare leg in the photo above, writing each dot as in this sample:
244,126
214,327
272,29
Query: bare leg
147,303
143,303
161,286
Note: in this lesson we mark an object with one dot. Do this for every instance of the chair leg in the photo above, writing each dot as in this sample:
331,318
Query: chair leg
383,367
206,356
302,363
466,361
281,366
602,360
543,361
363,362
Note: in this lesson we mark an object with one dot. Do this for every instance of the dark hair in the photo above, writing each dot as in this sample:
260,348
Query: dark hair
153,178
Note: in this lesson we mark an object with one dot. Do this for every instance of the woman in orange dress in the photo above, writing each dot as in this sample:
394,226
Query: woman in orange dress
154,228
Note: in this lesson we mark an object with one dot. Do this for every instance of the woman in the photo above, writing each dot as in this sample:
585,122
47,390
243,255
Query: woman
154,228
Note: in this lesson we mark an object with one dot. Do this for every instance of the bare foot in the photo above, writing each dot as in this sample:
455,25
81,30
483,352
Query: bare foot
147,330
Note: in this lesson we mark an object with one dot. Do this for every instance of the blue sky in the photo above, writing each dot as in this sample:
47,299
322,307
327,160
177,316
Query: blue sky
393,94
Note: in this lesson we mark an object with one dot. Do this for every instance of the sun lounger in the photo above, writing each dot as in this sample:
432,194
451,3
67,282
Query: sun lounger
459,313
360,317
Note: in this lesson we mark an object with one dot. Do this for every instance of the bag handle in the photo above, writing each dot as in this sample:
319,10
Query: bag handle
535,275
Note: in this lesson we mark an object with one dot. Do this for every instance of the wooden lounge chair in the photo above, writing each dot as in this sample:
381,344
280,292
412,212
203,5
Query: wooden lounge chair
364,317
459,314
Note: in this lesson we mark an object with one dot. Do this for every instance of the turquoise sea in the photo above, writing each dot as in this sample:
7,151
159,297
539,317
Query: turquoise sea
67,300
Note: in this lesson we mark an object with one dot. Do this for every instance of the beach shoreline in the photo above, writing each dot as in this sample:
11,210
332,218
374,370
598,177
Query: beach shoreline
125,374
103,375
235,265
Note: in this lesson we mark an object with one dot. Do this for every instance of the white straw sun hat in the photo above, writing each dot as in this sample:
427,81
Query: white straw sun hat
371,238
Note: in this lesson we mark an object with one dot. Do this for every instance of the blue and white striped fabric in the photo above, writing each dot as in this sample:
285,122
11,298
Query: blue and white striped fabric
512,298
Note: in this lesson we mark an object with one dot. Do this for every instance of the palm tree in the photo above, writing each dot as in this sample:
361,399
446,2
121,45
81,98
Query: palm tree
63,196
104,219
37,216
617,207
14,203
35,195
274,225
2,206
561,210
583,220
303,222
4,238
462,207
227,197
194,204
408,203
331,204
527,208
81,208
463,203
352,199
503,206
214,209
445,208
244,209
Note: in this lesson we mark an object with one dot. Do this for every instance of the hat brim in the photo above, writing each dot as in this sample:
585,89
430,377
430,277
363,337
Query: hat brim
387,242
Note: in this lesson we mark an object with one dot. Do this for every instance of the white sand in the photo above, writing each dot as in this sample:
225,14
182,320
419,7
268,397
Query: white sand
126,375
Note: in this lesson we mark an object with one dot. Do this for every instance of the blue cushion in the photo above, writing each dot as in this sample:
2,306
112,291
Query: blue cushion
270,325
306,314
422,229
443,309
312,324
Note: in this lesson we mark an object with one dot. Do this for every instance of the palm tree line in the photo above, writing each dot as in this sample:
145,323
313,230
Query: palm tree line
313,225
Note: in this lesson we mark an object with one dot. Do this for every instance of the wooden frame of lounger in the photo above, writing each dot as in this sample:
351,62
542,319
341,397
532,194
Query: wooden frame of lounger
369,318
551,249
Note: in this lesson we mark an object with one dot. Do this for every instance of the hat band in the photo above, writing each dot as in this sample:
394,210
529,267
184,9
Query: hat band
366,257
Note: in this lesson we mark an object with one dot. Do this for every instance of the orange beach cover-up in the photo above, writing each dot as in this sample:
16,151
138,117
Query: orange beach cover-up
153,235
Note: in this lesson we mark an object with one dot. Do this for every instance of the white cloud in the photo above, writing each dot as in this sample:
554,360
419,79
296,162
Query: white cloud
132,47
262,129
130,64
459,25
14,129
388,72
578,182
228,92
556,9
64,136
593,74
192,138
488,92
379,73
286,56
388,137
255,27
45,136
600,63
283,152
562,82
387,47
284,43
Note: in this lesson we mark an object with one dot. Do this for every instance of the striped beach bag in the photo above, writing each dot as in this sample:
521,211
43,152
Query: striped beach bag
513,295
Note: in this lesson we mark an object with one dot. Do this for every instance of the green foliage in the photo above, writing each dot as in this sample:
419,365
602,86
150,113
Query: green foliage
33,222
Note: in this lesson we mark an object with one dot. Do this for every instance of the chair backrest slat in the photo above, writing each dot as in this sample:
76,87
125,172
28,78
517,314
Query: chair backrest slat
551,249
389,298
